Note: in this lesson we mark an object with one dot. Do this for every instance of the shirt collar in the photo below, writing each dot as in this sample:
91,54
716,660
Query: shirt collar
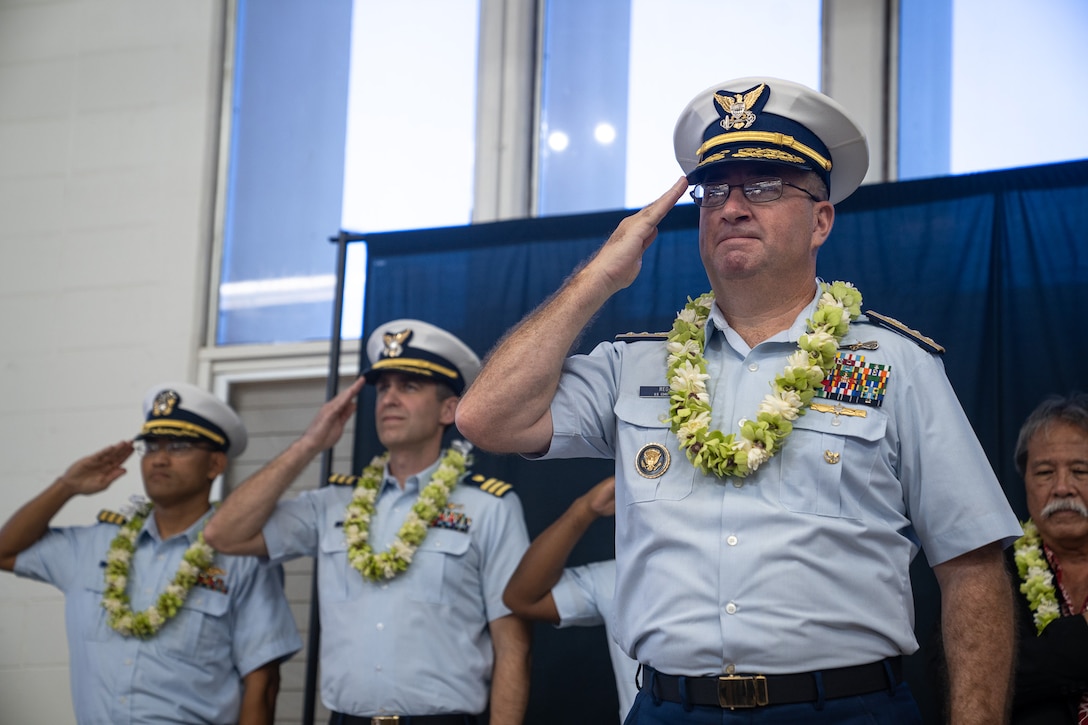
412,483
792,334
151,527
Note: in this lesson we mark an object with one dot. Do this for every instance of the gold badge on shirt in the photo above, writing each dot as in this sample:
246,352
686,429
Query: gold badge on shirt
652,460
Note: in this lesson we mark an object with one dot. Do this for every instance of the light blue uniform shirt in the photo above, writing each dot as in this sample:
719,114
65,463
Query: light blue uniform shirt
191,670
419,643
806,565
583,598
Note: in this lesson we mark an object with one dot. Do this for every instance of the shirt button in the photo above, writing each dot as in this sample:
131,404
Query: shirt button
380,626
128,662
752,367
731,608
731,540
377,668
385,586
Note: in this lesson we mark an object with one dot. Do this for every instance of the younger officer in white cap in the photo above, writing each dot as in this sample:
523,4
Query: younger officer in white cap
780,457
161,628
413,555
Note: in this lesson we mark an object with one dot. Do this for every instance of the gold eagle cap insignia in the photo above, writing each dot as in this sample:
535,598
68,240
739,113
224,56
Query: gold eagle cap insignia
737,108
164,403
394,343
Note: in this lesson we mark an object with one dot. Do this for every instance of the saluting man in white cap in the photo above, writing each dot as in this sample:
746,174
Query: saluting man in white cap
161,627
413,555
780,456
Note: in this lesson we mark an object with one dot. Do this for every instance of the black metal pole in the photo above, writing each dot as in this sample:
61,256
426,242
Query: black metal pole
332,384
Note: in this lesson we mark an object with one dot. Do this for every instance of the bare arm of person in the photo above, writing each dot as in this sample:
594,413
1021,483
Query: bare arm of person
236,526
511,638
979,635
506,410
87,476
259,691
529,591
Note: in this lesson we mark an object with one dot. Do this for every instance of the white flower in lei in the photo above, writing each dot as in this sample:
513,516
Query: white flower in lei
432,499
1037,581
194,562
714,452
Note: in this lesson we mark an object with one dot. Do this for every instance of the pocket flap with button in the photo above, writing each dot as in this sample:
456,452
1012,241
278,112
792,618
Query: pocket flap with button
444,541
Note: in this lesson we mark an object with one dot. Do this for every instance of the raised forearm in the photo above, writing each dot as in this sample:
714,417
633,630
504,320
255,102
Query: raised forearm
978,632
30,522
89,475
507,408
236,526
527,593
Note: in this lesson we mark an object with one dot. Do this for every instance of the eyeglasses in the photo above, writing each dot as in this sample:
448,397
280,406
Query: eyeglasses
172,447
757,191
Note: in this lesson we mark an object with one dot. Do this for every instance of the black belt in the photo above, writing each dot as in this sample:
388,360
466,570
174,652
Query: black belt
742,691
340,718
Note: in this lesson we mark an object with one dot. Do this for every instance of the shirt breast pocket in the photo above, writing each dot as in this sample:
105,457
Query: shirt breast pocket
337,579
440,565
93,588
201,629
643,436
827,461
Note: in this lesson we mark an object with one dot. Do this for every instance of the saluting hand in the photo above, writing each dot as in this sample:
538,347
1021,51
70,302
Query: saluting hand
620,258
97,471
601,499
328,425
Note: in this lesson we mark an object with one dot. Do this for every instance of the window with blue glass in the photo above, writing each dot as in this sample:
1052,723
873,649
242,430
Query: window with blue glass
616,74
990,84
345,115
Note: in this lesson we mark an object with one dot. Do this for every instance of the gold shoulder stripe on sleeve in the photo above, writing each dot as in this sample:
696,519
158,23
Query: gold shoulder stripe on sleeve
106,516
342,479
493,486
642,336
890,323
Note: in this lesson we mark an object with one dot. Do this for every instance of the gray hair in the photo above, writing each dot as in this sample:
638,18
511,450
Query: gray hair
1072,409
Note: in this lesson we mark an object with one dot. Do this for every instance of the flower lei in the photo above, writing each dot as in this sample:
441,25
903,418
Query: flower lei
194,562
1038,581
432,499
713,452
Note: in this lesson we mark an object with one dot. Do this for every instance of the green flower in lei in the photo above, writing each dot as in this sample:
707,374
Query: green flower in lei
714,452
432,499
1037,580
194,562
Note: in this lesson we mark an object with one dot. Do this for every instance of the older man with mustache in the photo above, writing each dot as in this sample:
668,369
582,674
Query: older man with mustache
1051,565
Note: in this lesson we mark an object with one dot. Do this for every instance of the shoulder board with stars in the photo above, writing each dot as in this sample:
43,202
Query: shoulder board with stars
106,516
342,479
493,486
890,323
642,337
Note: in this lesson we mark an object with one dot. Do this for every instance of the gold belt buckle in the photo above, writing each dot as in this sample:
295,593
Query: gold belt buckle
742,691
385,720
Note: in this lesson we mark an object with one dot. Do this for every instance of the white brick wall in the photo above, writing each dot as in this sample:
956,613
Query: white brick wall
108,114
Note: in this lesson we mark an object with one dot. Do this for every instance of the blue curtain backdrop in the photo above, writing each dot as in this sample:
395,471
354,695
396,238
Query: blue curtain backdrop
992,266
